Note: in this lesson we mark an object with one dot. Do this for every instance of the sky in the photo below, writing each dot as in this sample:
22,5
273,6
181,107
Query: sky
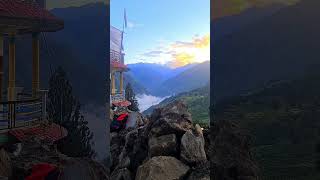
168,32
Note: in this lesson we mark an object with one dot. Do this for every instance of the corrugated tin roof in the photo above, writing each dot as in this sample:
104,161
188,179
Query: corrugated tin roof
50,133
23,9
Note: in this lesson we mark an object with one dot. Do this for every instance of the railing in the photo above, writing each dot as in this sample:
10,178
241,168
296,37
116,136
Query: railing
21,113
118,97
116,56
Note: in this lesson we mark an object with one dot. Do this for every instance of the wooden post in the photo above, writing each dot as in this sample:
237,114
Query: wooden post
1,65
113,84
12,68
35,65
121,82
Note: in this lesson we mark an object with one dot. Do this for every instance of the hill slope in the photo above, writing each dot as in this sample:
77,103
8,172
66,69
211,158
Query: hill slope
278,47
282,119
190,79
197,100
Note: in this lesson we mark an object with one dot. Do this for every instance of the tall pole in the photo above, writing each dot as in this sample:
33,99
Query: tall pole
121,83
113,84
12,68
1,65
35,65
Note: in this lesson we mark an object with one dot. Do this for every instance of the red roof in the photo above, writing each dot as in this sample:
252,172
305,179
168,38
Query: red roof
122,103
22,9
25,17
50,133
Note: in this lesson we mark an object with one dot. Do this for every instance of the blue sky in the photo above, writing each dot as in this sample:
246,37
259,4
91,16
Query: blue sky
172,32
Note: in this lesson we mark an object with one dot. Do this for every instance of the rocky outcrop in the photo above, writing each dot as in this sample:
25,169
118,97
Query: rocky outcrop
121,174
192,147
162,168
163,142
163,145
230,153
170,146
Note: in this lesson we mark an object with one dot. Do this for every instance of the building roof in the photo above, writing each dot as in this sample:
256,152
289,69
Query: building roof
118,65
50,133
122,103
26,17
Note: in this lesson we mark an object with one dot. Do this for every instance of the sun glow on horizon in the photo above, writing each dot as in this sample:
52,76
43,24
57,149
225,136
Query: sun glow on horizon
190,52
179,53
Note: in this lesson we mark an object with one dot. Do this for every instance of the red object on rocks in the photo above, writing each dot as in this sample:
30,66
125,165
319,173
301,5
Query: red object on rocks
122,117
41,171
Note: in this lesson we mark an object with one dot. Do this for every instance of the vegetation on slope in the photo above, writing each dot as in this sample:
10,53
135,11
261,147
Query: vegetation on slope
282,119
197,100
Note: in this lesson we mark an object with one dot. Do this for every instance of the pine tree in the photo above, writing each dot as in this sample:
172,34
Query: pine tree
130,96
64,109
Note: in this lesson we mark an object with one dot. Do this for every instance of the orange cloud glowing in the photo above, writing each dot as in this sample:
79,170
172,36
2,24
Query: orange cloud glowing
180,53
190,52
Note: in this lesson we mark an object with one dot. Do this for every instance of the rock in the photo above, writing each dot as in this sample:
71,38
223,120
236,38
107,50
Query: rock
192,148
200,172
162,168
230,153
140,120
176,110
198,176
173,118
121,174
135,150
5,164
163,145
247,178
83,169
117,143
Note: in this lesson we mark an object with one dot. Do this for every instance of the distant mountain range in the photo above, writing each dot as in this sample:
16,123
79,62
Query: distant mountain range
281,46
152,76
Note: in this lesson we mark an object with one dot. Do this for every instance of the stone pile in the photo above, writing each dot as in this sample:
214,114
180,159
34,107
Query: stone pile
168,147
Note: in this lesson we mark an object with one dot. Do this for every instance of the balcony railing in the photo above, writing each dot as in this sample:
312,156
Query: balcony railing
25,112
116,57
118,97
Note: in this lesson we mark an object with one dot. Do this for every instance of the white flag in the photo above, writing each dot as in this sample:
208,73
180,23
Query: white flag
115,39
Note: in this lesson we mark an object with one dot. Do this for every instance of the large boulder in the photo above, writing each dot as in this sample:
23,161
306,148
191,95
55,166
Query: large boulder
173,118
121,174
192,147
230,153
162,168
163,145
135,150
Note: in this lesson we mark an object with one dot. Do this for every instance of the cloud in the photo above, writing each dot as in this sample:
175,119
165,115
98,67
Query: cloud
146,101
153,53
180,53
134,25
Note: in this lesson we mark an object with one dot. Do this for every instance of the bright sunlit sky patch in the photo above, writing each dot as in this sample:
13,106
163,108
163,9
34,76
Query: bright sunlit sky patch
170,32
